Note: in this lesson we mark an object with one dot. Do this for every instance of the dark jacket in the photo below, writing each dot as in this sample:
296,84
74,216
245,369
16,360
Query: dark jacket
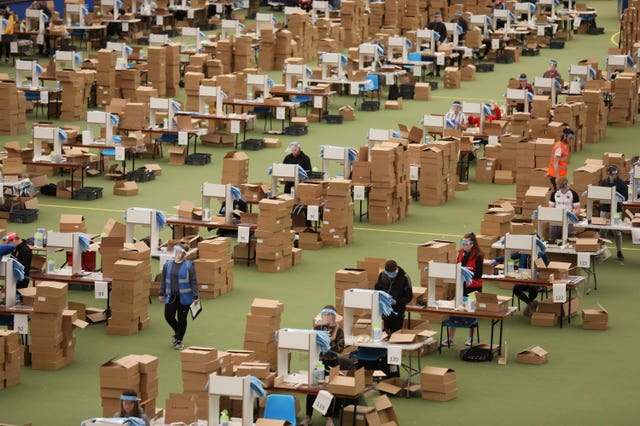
23,253
399,288
440,28
621,188
301,159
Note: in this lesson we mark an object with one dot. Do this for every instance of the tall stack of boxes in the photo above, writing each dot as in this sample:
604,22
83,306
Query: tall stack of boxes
346,279
224,52
630,29
574,114
352,20
130,292
376,18
267,49
192,81
11,357
235,168
106,76
135,116
437,251
597,115
623,112
284,48
50,348
157,67
337,220
244,56
534,197
300,26
274,235
452,78
390,192
73,104
13,110
137,372
262,323
127,81
438,177
197,364
214,267
173,69
585,175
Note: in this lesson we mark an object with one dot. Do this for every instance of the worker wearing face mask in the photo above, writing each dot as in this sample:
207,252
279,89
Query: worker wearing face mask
396,282
178,290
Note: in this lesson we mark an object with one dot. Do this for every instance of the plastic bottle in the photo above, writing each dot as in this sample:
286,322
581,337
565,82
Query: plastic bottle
165,123
465,303
472,303
224,418
377,333
510,266
206,108
249,94
207,214
51,266
318,373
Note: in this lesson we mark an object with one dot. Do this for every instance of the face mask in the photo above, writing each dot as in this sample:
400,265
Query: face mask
391,274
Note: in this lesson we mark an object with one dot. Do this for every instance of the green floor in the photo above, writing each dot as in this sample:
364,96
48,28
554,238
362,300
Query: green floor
590,378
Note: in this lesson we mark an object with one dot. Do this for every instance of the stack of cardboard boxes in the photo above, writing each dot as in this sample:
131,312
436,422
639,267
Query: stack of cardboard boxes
438,383
235,168
497,220
262,324
13,109
173,69
267,49
127,81
135,116
597,115
630,30
438,251
347,279
136,372
438,177
106,76
11,358
197,364
337,219
50,347
192,81
452,78
74,101
181,408
224,52
130,291
390,192
534,197
625,100
244,56
157,68
588,174
274,235
214,268
574,115
352,19
286,48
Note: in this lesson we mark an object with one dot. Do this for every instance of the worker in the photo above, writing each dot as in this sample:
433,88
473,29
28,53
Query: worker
553,72
559,161
394,281
613,180
455,118
296,156
22,253
569,200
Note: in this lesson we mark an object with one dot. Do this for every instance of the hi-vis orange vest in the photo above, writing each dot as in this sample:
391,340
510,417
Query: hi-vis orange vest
563,161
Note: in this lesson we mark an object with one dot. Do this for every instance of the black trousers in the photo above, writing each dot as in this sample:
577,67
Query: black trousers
394,322
525,293
172,308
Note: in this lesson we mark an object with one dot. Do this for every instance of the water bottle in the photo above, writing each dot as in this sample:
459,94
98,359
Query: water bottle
224,418
165,123
465,303
293,193
510,267
249,94
318,373
51,266
38,238
377,333
207,214
472,303
206,108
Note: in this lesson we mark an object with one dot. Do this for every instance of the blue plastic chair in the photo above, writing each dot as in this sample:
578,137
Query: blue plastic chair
35,98
261,110
80,35
459,322
413,57
303,100
280,407
372,86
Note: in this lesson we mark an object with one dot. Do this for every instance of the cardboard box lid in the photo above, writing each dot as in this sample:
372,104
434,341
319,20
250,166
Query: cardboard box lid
409,336
271,422
602,311
491,298
536,351
125,184
71,219
437,371
236,155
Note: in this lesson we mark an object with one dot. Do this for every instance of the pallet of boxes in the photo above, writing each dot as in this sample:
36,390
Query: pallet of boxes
214,267
52,344
262,323
136,372
11,358
130,280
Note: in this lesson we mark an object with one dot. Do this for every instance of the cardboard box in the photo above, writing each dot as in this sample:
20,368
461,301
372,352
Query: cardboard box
72,223
349,383
532,355
595,319
385,411
438,379
543,319
488,302
124,187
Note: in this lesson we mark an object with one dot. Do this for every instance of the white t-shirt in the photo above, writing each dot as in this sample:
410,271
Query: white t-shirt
568,201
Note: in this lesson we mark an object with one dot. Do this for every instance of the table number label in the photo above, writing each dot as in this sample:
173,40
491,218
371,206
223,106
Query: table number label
584,260
101,290
394,355
559,293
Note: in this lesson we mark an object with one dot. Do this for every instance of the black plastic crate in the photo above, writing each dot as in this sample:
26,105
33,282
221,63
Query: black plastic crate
407,91
296,130
595,30
370,105
315,175
252,144
333,118
485,67
198,159
530,51
433,84
88,193
141,175
23,215
505,59
556,44
143,41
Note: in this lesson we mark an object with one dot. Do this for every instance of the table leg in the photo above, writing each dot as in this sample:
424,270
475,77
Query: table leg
493,323
72,187
595,275
500,342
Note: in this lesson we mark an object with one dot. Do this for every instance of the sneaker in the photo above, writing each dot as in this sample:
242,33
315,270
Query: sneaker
447,342
329,422
178,346
173,340
527,310
620,256
469,341
6,59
